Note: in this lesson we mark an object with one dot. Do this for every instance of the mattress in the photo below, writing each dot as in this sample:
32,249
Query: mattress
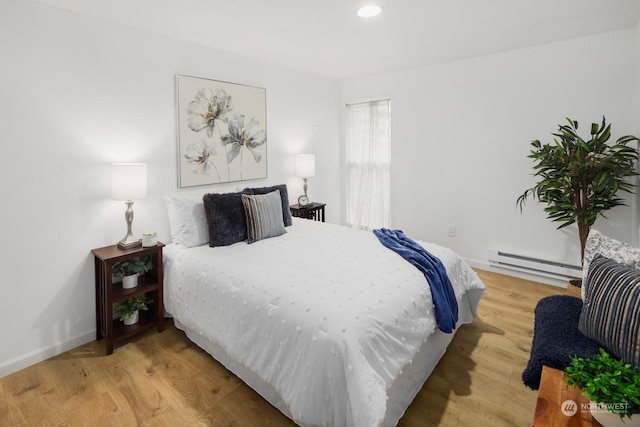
323,321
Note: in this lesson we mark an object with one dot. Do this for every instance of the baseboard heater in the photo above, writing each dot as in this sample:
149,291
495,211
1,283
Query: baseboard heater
553,269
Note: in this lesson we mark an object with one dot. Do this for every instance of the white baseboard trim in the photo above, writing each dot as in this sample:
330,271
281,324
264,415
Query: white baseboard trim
514,273
44,353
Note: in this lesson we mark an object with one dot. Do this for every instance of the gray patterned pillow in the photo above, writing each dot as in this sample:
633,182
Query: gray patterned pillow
611,311
264,215
284,195
598,243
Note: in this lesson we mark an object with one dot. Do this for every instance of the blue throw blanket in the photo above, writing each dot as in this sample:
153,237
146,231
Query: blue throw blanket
444,299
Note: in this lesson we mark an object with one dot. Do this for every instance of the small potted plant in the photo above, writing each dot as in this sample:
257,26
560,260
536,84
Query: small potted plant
612,385
128,311
129,270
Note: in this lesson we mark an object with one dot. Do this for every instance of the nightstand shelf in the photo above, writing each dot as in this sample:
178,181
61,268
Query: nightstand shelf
109,293
122,331
145,285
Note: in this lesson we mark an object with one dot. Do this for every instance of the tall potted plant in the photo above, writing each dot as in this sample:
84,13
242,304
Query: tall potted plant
579,179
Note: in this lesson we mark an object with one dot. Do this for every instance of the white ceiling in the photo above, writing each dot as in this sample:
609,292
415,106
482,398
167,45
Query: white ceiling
326,37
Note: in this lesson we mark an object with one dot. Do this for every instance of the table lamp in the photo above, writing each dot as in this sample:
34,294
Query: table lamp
129,183
305,168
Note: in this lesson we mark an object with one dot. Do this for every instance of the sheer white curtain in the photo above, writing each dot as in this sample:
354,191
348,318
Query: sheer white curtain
368,156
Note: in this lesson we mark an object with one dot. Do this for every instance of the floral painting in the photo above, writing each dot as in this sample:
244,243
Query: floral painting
222,131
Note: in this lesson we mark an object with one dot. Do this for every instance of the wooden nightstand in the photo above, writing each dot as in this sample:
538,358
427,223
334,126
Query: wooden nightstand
313,211
109,293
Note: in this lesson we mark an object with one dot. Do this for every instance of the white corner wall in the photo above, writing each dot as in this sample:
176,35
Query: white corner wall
636,114
77,94
461,133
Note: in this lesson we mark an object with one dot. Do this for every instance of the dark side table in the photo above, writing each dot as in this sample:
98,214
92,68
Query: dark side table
313,210
108,293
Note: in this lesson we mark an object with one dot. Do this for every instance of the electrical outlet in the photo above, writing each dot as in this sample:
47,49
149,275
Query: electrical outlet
451,230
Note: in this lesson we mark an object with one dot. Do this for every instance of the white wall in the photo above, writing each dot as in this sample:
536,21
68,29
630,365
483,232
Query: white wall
77,94
461,133
636,114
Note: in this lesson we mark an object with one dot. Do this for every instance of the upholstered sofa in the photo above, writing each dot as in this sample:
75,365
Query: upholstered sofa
556,337
607,316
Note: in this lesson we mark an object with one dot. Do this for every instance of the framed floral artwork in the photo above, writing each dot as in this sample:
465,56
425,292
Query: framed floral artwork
222,131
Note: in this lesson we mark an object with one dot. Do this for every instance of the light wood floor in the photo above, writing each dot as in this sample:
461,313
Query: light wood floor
165,380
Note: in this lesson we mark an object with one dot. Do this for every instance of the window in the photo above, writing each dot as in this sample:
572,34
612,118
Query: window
368,157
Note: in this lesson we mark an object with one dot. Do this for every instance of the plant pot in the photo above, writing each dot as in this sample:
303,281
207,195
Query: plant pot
574,287
133,319
129,282
610,419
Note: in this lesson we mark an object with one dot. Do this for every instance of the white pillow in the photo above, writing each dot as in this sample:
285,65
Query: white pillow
187,221
598,243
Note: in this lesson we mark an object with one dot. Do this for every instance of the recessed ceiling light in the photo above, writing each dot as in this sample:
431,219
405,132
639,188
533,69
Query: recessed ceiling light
369,11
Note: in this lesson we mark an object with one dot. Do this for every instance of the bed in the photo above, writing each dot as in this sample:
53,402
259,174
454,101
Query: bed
327,324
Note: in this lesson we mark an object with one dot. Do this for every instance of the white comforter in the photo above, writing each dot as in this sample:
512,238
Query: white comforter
324,313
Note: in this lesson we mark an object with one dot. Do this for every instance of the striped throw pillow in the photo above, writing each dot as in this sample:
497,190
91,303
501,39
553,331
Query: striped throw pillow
611,311
264,215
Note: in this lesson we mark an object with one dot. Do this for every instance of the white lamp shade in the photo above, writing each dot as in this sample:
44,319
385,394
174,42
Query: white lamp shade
305,165
129,181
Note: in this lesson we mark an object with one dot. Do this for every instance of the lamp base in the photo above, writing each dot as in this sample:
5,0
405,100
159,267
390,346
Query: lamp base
129,242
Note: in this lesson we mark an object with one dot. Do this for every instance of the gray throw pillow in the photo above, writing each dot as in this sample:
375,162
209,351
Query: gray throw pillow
263,216
284,196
